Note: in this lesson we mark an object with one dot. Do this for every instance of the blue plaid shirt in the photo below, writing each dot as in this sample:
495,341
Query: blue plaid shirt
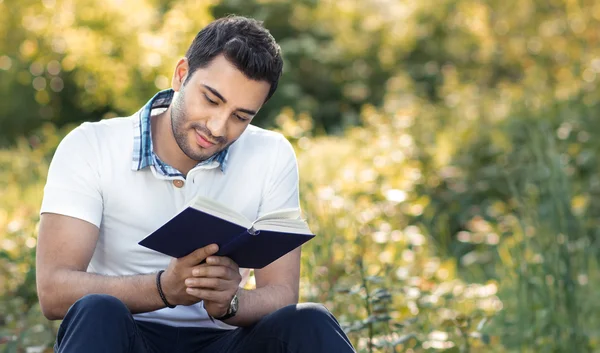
143,151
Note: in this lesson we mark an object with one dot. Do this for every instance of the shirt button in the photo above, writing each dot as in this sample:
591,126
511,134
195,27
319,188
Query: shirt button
178,183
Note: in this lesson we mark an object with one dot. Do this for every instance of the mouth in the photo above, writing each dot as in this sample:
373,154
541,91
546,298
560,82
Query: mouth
203,141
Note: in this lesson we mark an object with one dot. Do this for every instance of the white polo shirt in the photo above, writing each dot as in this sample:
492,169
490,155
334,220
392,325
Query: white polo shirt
91,178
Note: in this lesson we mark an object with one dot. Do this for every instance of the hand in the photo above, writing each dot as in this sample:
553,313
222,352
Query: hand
215,282
173,279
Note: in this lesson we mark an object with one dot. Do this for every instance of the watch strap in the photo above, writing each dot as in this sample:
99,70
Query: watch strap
232,310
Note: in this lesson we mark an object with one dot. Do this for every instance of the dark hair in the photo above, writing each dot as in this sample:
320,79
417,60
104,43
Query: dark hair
245,42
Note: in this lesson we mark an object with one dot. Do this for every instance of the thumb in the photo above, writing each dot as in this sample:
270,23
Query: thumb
201,254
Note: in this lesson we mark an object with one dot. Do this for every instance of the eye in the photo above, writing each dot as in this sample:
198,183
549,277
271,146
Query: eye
210,100
240,118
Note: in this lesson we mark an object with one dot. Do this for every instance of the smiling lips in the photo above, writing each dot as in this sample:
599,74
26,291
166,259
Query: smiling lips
202,141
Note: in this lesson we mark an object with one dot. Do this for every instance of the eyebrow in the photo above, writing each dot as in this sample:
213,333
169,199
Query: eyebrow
220,96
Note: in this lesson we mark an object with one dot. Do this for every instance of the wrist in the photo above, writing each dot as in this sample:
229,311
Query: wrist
161,292
232,309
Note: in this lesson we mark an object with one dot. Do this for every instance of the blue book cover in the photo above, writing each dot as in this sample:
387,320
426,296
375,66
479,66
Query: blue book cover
250,244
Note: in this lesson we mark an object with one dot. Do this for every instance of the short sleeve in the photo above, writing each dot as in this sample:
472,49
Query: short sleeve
282,182
73,184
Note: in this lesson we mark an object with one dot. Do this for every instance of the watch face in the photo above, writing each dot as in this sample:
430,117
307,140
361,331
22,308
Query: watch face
234,304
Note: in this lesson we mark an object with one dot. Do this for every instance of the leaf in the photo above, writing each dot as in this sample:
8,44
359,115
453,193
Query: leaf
353,327
485,338
405,323
376,318
374,279
481,323
380,307
462,321
379,291
448,323
343,290
403,339
380,294
5,255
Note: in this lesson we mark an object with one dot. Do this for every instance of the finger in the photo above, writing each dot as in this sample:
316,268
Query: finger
209,295
214,272
222,261
206,283
201,254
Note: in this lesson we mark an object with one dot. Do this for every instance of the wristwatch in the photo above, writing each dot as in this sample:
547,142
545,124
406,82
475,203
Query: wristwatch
232,310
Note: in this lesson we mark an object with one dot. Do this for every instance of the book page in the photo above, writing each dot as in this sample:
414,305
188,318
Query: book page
219,210
285,225
286,213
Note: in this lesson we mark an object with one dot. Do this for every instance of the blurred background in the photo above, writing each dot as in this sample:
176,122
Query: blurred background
447,151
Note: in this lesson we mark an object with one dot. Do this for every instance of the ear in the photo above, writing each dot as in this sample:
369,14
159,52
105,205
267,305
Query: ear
181,72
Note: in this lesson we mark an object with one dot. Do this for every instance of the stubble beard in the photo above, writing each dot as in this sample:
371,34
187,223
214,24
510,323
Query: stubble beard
181,132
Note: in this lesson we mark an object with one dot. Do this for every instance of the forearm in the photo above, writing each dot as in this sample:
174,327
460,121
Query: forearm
138,292
257,303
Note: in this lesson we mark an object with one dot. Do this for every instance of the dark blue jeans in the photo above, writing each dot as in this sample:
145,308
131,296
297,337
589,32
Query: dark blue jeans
101,323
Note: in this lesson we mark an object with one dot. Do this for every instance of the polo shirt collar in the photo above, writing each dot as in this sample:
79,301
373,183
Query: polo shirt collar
143,151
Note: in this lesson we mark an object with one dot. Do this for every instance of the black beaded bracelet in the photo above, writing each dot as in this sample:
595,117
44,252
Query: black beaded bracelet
160,291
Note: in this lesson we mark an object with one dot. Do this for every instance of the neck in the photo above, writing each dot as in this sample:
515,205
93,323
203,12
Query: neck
165,146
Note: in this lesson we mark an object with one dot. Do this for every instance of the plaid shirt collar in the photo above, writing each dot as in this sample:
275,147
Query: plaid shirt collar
143,151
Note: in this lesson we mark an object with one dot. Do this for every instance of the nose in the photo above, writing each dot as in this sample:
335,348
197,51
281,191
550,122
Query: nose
217,125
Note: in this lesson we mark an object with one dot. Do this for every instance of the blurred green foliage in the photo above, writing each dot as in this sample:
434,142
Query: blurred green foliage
456,204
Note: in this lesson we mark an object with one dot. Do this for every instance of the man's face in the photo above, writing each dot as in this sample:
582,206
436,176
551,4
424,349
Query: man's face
214,107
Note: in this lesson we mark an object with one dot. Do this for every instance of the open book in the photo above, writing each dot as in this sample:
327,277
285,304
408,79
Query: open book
251,244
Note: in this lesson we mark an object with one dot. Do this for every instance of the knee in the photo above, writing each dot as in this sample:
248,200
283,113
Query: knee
94,305
305,313
93,319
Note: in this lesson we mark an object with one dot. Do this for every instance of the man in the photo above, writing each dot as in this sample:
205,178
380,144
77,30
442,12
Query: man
113,182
